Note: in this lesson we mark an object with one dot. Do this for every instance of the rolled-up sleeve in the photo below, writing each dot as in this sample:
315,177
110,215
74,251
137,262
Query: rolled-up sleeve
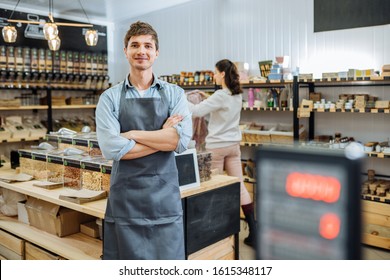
184,128
112,144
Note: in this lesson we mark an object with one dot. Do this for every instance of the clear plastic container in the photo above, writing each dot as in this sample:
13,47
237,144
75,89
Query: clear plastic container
72,171
55,167
91,176
106,175
94,149
40,165
26,162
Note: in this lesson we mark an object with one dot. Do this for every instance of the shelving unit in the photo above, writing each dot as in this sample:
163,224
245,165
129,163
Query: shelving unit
375,209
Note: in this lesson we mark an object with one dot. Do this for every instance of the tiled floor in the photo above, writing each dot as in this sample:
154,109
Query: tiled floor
368,252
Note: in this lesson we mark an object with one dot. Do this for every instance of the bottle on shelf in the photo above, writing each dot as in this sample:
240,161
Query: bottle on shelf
3,58
270,99
283,98
49,61
41,60
251,98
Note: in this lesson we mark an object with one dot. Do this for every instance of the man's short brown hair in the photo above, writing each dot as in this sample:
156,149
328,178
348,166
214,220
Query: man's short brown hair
141,28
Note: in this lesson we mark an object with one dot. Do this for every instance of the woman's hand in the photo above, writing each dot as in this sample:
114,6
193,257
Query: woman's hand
203,94
172,121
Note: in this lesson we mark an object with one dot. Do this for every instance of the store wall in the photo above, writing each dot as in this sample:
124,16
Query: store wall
195,35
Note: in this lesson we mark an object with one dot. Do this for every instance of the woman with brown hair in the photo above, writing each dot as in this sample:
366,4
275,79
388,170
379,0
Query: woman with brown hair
224,135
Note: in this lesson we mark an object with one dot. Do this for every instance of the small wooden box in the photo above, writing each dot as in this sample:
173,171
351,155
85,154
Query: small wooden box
382,104
91,229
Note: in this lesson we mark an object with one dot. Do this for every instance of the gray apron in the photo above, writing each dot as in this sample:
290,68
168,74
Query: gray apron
143,219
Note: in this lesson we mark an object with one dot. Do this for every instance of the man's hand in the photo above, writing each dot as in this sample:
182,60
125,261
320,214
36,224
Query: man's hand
172,121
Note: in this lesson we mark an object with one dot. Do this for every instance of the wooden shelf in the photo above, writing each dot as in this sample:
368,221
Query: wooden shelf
95,208
20,140
363,111
277,109
73,247
33,107
64,107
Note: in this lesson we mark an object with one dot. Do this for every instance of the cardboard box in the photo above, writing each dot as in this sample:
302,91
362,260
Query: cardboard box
53,218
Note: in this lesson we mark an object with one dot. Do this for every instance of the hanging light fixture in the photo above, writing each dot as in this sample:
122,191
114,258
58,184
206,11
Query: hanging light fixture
50,29
9,34
9,31
54,44
91,35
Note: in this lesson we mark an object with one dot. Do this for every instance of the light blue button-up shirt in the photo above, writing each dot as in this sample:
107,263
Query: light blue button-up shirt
112,144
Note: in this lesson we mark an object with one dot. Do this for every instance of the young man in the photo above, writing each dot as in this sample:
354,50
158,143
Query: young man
140,122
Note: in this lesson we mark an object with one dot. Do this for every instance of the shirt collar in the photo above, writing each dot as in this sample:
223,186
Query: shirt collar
156,82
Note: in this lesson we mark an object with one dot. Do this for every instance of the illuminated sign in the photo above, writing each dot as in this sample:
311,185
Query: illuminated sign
316,187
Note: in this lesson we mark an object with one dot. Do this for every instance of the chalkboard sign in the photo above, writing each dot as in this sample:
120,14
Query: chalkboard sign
211,216
336,14
31,35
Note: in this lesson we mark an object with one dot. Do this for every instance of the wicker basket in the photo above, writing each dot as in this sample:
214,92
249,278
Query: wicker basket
258,133
284,134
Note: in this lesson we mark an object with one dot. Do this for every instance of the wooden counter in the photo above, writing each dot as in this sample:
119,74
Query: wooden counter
98,208
197,218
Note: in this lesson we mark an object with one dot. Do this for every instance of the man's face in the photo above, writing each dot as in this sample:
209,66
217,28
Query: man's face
141,52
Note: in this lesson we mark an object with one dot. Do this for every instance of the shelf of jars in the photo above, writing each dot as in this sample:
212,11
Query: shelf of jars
275,109
363,110
356,81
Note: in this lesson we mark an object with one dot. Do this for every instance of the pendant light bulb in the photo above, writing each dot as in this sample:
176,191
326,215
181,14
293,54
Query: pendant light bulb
91,37
9,34
50,31
54,44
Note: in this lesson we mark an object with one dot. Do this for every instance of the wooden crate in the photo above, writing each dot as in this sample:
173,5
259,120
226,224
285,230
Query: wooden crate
376,224
11,247
33,252
221,250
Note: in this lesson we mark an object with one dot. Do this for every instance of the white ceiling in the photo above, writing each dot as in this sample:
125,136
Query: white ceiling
98,11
